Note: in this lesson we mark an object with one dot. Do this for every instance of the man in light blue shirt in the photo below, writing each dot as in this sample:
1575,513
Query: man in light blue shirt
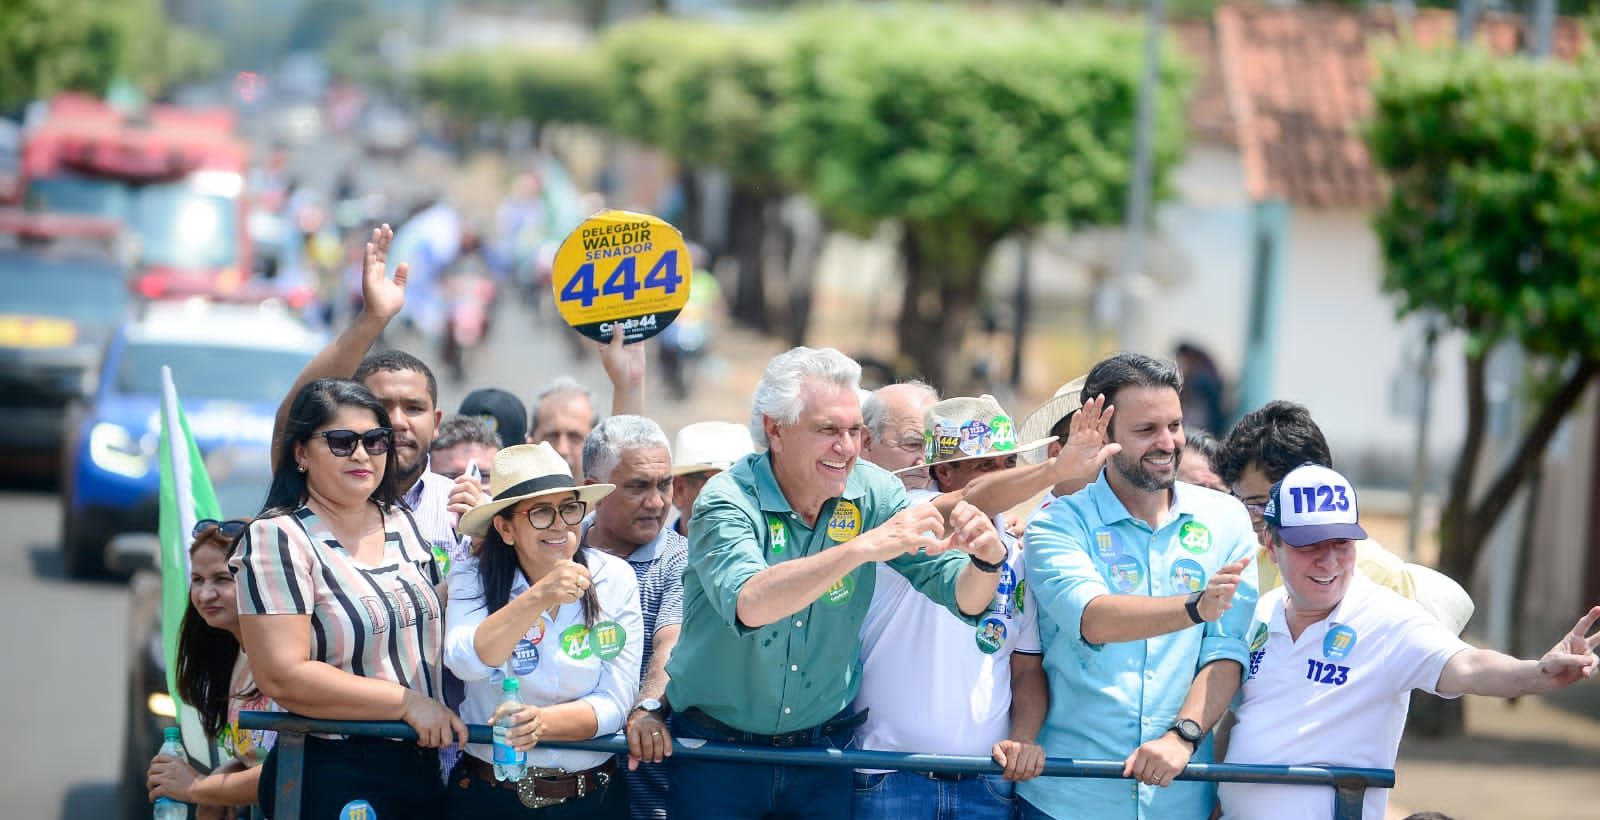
1144,591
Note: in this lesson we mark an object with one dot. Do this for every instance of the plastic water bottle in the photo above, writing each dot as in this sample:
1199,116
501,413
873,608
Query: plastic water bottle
509,763
171,746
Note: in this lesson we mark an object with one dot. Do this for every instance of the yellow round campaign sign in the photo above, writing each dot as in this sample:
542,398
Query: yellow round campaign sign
621,268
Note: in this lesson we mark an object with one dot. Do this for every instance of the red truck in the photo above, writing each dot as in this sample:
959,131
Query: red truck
175,177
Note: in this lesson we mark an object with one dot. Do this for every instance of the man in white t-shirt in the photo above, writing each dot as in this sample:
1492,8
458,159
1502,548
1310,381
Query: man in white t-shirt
932,683
1332,668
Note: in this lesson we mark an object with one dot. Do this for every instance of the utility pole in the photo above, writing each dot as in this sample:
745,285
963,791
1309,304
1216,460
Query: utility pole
1116,303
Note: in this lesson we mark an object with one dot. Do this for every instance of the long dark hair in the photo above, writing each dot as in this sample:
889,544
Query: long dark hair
315,405
206,654
497,569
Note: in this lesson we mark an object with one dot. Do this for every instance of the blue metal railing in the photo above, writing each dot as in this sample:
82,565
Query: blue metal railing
1349,784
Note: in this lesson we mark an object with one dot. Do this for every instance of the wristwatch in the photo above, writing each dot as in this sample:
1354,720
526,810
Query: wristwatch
985,566
653,706
1193,605
1188,730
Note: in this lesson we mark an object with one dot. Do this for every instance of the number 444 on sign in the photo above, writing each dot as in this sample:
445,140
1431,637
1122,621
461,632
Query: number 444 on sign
623,280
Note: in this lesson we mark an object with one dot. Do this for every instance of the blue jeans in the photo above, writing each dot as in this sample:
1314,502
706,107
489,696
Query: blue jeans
1028,811
916,796
757,791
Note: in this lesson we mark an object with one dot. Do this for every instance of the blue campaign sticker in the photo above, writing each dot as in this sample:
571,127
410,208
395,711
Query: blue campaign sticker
991,635
1105,546
525,658
1126,574
358,810
1008,580
1338,643
1188,575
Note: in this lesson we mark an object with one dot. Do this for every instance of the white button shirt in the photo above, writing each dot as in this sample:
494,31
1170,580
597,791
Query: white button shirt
557,661
1338,696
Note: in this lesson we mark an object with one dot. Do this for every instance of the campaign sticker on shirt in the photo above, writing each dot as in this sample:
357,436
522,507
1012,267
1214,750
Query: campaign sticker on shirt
991,635
1018,594
777,534
1127,574
441,556
525,658
1194,537
358,810
1105,546
839,594
1188,575
1336,645
575,642
1003,590
1259,639
845,522
535,633
608,638
621,269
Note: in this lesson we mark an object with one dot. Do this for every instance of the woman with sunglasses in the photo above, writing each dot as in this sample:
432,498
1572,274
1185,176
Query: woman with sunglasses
214,678
339,611
564,621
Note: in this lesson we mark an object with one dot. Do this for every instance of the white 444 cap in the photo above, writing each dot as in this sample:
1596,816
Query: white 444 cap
1313,504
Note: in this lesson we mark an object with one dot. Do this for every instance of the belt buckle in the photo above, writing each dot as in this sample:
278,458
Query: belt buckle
530,798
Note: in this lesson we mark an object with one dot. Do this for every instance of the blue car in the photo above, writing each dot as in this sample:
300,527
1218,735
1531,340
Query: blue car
232,365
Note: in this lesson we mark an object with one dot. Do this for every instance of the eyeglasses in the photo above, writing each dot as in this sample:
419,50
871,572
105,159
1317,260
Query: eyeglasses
543,517
343,442
229,529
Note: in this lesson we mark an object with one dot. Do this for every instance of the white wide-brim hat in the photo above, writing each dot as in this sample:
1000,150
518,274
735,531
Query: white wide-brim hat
525,471
710,445
968,428
1068,399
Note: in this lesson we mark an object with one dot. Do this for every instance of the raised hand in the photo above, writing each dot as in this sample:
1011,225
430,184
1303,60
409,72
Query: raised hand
1086,450
1573,657
381,296
624,363
1220,589
563,584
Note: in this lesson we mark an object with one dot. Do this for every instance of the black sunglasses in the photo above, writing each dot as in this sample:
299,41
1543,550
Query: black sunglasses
343,442
229,529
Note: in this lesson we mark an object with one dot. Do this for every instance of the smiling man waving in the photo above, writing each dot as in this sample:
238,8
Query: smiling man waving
781,553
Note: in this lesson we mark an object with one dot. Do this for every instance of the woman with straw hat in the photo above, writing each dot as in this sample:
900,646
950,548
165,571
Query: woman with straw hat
564,621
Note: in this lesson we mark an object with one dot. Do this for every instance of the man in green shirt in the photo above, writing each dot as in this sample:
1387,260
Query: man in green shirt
779,579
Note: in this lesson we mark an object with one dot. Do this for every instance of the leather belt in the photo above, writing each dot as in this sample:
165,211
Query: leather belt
554,785
802,737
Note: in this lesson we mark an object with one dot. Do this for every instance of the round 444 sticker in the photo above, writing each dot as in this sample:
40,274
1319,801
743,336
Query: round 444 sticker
621,269
1194,537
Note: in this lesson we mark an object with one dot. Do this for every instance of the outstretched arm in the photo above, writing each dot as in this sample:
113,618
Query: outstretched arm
382,300
1487,672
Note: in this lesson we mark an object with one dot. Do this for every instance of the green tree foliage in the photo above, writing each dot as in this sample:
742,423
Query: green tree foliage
964,125
564,86
967,126
49,46
1493,221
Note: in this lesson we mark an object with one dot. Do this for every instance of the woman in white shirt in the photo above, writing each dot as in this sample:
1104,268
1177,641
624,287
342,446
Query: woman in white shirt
564,621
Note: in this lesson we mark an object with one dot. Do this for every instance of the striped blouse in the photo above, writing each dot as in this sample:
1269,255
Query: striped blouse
382,621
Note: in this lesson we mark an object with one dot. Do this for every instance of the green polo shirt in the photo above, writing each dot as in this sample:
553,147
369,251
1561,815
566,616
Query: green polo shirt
803,669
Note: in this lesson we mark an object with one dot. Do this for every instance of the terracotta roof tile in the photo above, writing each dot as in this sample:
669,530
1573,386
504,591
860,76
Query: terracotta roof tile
1298,81
1208,115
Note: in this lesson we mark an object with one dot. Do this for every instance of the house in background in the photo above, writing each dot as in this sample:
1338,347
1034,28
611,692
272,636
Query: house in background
1274,212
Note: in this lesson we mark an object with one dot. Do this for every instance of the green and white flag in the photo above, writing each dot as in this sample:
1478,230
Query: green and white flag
186,498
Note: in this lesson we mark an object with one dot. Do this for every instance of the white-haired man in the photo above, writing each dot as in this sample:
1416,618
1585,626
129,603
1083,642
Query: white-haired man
781,548
631,453
893,439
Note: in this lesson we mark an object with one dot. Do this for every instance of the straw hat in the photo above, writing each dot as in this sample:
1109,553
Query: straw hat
710,445
965,428
1067,399
527,471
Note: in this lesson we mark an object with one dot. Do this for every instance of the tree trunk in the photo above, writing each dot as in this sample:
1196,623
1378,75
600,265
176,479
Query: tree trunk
746,226
805,253
943,284
689,219
1458,544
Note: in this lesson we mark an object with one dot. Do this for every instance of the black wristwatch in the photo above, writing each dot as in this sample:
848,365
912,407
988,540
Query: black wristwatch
1192,605
1188,730
985,566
